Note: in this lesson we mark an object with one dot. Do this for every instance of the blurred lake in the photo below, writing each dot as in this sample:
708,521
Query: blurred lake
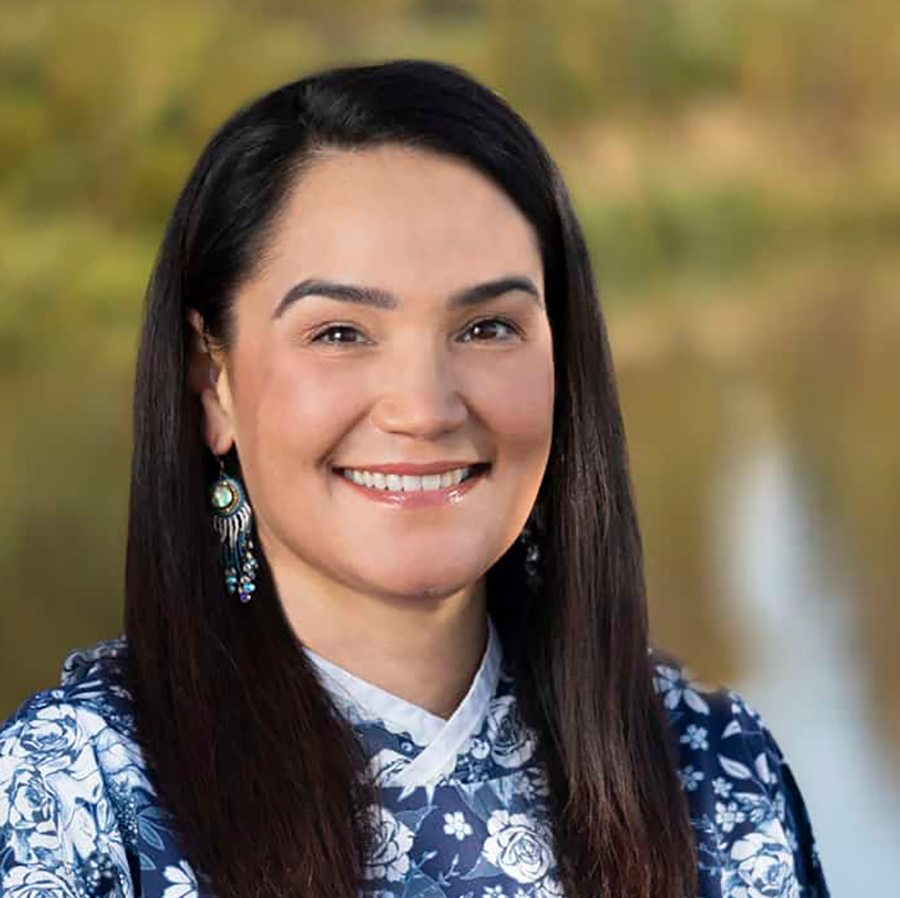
765,443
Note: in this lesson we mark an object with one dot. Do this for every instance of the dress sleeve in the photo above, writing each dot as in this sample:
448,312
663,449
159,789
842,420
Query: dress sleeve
763,794
752,829
58,835
792,810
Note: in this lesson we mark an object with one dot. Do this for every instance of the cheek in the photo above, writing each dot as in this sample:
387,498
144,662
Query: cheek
293,410
516,402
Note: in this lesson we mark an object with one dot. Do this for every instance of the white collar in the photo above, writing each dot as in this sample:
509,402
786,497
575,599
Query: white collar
440,739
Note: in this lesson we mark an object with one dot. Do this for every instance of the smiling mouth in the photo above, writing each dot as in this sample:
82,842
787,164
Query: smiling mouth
412,483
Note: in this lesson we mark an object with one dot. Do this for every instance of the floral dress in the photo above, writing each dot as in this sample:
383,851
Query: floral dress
464,800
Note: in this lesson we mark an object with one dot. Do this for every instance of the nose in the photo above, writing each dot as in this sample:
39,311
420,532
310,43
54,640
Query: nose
420,395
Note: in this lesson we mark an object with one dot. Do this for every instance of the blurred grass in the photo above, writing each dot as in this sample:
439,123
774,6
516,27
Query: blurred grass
702,140
703,133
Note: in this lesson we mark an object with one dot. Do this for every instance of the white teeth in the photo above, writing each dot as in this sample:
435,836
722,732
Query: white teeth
406,483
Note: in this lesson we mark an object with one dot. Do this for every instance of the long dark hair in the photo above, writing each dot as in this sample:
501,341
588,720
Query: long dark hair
262,774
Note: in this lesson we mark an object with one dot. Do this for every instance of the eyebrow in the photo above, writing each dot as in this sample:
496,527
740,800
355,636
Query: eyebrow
382,299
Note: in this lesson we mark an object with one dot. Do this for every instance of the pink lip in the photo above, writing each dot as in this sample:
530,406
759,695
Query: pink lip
436,467
419,498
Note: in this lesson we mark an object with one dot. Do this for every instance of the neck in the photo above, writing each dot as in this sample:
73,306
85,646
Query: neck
425,650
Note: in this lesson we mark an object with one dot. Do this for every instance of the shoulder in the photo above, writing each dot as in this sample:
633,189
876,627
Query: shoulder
692,705
69,764
90,708
747,812
721,741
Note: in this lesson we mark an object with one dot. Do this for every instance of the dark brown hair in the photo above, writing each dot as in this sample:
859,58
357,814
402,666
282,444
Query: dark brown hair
262,774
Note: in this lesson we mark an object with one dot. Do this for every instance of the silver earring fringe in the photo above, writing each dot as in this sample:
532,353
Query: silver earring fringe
232,519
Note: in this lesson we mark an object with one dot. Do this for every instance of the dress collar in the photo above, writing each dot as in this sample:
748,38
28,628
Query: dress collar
437,739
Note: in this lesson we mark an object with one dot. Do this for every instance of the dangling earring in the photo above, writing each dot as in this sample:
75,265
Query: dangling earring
529,539
232,519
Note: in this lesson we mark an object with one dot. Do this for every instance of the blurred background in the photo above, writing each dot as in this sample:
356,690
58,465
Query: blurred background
736,166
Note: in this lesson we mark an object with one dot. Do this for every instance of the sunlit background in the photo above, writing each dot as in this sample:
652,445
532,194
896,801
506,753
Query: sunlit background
736,165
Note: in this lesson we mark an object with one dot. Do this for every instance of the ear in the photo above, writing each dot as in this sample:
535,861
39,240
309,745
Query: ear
208,379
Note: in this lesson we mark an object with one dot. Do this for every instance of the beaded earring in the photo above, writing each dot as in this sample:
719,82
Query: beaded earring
232,519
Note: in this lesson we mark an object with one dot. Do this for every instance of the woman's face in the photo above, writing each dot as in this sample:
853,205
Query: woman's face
398,328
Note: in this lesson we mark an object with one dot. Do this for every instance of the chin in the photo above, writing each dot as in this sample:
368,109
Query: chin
426,584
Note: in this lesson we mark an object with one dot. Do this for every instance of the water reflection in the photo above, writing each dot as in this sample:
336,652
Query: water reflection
789,603
765,447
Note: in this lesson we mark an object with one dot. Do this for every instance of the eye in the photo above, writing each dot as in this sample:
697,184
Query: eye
489,326
342,335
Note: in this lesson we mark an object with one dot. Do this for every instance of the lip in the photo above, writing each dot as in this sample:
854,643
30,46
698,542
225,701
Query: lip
435,467
420,498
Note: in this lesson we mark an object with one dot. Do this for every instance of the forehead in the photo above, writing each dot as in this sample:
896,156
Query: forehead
402,219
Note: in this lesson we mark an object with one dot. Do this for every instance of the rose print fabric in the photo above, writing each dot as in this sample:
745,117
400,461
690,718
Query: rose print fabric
464,801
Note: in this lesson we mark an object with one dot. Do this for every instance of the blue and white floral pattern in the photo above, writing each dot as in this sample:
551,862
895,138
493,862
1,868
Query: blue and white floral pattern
79,817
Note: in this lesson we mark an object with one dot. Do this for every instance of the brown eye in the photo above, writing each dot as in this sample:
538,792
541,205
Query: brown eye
339,334
490,330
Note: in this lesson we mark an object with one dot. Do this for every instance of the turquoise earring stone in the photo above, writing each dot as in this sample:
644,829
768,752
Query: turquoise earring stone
222,496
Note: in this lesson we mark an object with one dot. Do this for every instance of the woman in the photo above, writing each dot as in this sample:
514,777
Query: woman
410,655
